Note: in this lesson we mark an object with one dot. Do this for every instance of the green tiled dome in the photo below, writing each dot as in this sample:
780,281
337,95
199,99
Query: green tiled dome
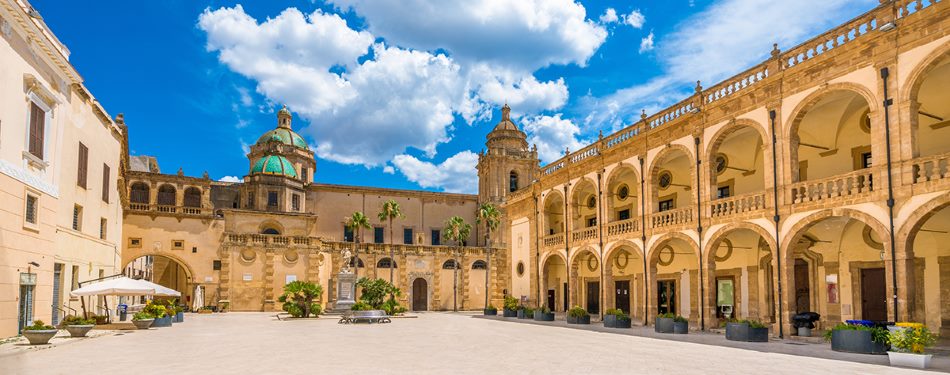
274,164
285,136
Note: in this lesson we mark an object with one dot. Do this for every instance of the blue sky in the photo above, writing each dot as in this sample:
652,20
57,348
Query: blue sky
401,93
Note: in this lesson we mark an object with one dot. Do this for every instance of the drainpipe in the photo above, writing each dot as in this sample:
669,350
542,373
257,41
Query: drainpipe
890,188
600,229
699,230
567,249
775,219
643,240
537,247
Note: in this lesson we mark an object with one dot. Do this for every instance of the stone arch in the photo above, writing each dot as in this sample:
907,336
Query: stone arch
140,192
167,195
189,270
192,197
720,136
609,194
724,232
652,174
802,225
546,217
270,226
622,243
588,248
743,307
915,79
908,231
549,255
663,153
665,239
620,166
909,99
572,189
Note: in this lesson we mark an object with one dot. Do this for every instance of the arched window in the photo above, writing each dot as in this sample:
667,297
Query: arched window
270,231
450,265
512,181
192,197
166,195
479,265
139,193
386,263
352,261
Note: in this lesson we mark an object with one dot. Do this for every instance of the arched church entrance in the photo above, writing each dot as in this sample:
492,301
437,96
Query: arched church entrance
420,295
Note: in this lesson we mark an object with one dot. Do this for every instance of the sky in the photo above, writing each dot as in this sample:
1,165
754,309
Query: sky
401,94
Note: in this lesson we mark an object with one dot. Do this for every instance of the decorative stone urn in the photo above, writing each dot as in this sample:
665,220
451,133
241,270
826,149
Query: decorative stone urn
79,330
39,337
143,324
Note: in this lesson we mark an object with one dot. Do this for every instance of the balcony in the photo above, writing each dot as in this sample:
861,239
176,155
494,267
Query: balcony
556,239
931,168
622,227
739,204
168,209
678,216
268,240
584,235
845,185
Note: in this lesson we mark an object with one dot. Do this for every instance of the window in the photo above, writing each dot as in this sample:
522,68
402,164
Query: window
271,199
623,214
271,231
82,170
592,202
192,197
354,260
305,174
665,179
623,192
723,192
450,265
77,217
436,237
215,265
135,242
295,202
139,193
407,236
103,225
479,265
37,137
666,205
512,181
250,200
178,244
30,213
386,263
167,195
347,234
105,183
591,221
74,279
378,236
866,161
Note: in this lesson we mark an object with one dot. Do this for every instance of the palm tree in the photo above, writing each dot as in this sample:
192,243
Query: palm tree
390,210
456,229
355,224
487,213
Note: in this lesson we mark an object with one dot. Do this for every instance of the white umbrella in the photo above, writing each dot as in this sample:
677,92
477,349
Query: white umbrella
159,289
121,286
199,300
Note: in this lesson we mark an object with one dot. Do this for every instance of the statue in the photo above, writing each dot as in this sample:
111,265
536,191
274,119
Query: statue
347,258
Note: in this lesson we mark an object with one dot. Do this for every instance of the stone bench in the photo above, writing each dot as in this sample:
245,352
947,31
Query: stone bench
368,316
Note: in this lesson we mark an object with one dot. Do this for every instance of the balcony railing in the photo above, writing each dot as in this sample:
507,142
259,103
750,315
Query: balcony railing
267,240
931,168
556,239
167,209
737,205
852,183
585,234
618,228
672,217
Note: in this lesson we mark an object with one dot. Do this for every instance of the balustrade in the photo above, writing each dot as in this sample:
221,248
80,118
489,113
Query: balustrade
853,183
556,239
931,168
737,205
672,217
617,228
585,234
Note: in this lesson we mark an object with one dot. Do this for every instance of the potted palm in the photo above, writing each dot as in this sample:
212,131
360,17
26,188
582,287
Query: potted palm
544,314
577,315
858,336
511,307
491,310
142,320
39,333
908,345
616,318
78,326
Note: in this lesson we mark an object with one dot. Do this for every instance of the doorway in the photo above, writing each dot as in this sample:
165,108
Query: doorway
725,297
551,297
25,308
873,294
802,289
593,297
666,296
420,295
564,300
622,298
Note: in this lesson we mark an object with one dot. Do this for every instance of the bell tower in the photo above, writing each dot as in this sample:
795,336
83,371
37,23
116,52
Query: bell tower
508,164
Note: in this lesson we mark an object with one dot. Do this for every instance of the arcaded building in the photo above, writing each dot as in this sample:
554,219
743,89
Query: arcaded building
816,180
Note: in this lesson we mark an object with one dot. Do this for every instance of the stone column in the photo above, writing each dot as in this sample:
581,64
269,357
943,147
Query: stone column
224,276
573,285
464,275
268,280
609,292
436,268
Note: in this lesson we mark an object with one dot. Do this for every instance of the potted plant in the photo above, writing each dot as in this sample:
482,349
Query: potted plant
299,299
525,312
39,333
615,318
805,322
664,323
491,310
577,315
205,310
858,336
747,330
101,319
142,320
680,325
544,314
511,307
78,326
159,313
908,345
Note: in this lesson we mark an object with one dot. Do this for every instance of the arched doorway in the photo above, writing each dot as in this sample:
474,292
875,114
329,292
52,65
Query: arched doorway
420,295
164,271
674,278
554,283
739,281
585,274
624,279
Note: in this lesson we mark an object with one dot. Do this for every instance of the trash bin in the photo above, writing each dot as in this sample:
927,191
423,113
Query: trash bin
123,311
805,322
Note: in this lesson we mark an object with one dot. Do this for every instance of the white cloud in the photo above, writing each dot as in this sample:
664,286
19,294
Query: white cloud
609,16
245,94
635,19
456,174
552,135
230,179
389,170
646,44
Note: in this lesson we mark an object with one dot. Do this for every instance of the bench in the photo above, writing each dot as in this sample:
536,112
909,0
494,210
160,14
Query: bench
368,316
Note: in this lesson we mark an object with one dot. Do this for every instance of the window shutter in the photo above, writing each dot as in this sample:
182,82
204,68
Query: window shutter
83,169
37,122
105,183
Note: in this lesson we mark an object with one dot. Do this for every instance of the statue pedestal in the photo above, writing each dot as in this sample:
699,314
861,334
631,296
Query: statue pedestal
345,292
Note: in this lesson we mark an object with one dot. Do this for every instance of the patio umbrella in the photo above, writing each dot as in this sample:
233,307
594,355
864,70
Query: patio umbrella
198,302
121,286
160,290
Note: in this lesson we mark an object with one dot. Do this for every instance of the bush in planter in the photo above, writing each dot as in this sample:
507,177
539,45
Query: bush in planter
525,313
77,326
615,318
859,337
746,330
160,313
392,308
491,310
577,315
511,307
142,320
361,306
908,345
298,298
543,314
664,323
39,333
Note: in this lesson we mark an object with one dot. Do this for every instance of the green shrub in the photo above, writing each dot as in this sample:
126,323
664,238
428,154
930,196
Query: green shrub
491,308
878,334
157,311
361,306
528,311
142,315
618,313
74,320
544,310
376,291
577,312
511,303
392,307
38,325
912,340
298,298
754,323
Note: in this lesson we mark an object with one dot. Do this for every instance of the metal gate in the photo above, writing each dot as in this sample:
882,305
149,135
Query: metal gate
57,288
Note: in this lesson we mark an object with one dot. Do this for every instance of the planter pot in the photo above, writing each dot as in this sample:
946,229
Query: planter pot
681,328
758,335
543,317
851,341
509,313
204,311
102,320
804,331
578,319
742,332
663,325
611,321
909,359
180,316
143,324
39,337
490,312
892,329
523,315
79,330
165,321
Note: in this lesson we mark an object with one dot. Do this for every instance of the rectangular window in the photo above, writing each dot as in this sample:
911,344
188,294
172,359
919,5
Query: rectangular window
271,199
37,130
74,282
407,236
105,183
82,169
135,242
31,209
215,265
623,214
77,217
866,161
347,234
723,192
178,244
295,202
103,225
666,205
305,174
436,237
591,221
378,236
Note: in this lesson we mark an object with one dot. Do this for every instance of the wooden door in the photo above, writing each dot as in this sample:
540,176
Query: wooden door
551,299
802,286
420,295
873,294
622,295
593,297
666,296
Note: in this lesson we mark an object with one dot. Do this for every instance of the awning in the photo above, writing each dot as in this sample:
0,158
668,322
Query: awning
122,286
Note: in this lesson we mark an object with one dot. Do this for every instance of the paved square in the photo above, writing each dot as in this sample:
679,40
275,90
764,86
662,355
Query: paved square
433,343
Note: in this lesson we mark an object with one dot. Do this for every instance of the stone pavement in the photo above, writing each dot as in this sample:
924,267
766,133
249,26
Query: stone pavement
435,343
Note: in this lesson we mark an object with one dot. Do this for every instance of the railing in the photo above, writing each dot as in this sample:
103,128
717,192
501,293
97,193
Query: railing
139,206
553,167
255,239
736,83
737,205
931,168
831,39
621,136
166,209
853,183
584,234
906,8
399,249
617,228
553,239
584,153
672,217
672,113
